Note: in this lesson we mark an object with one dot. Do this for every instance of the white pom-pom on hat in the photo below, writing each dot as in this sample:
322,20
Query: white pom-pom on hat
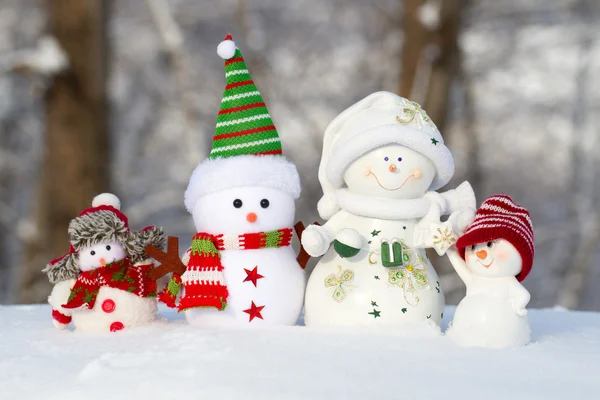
226,49
107,199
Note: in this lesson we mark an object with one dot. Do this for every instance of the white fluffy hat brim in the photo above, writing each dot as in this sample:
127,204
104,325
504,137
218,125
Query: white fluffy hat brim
342,156
214,175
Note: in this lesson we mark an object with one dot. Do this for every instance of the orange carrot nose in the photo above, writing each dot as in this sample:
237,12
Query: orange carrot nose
102,262
393,168
251,217
481,254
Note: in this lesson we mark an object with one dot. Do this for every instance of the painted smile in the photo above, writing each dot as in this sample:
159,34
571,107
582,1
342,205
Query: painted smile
484,265
391,190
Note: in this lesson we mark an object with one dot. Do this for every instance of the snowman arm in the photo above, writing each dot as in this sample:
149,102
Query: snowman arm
316,239
59,296
520,298
459,265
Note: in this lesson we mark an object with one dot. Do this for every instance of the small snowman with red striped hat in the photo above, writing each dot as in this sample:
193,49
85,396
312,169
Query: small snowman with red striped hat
240,269
102,284
493,256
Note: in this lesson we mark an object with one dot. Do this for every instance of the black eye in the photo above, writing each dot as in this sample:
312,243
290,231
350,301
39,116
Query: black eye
264,203
490,244
108,247
93,252
237,203
399,159
387,159
473,248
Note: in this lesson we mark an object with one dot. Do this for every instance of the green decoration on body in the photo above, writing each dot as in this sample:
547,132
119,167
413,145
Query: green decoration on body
391,260
344,250
375,233
410,280
429,316
375,313
434,141
374,304
376,277
340,282
244,125
404,310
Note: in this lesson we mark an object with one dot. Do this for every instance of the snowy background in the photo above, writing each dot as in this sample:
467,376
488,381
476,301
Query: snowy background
523,119
171,360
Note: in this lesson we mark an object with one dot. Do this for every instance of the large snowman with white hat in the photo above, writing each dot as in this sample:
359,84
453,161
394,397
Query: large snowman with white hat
241,269
382,160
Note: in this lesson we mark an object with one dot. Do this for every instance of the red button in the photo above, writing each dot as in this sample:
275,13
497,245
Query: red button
116,326
108,306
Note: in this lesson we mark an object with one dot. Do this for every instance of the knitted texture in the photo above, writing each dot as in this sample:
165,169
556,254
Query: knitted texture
203,280
500,218
244,125
118,275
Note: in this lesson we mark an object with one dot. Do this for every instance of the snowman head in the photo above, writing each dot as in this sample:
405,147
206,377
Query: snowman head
99,255
358,141
244,209
500,241
393,171
494,259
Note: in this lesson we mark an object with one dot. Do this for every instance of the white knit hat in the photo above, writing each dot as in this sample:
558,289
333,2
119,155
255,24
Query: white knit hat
380,119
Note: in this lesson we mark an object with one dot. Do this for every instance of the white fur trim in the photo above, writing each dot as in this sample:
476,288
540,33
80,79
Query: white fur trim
214,175
226,49
352,148
107,199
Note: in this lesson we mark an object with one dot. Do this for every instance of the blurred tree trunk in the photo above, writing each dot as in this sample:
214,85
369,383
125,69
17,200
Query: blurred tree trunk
75,165
430,54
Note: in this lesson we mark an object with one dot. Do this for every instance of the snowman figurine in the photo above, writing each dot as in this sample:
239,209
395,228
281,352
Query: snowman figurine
382,159
103,283
493,256
241,269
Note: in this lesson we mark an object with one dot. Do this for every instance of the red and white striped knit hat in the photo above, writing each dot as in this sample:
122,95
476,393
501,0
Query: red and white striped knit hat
500,218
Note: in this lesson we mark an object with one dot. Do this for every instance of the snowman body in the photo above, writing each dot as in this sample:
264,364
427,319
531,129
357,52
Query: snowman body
115,310
493,313
486,316
266,286
362,290
271,279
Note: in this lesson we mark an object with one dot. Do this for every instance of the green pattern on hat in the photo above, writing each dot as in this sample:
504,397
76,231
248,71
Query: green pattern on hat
244,126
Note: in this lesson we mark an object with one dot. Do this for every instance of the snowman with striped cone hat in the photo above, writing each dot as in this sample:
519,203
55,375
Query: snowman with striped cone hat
240,269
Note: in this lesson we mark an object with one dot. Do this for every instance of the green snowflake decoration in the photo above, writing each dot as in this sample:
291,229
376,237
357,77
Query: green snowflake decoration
340,282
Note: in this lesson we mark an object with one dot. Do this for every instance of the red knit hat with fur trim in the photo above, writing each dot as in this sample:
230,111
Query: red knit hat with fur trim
500,218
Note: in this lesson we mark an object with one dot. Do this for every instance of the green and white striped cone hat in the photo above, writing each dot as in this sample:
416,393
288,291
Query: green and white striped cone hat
246,148
244,125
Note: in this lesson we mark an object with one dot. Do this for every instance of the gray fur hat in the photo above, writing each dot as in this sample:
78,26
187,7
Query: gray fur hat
103,222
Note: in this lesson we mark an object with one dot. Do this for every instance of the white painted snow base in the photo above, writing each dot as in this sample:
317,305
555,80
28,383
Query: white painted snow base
170,360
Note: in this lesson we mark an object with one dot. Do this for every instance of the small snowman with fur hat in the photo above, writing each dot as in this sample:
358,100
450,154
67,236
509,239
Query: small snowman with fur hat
102,284
241,270
493,256
383,159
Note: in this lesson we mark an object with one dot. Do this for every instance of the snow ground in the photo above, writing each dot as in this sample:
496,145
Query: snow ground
170,360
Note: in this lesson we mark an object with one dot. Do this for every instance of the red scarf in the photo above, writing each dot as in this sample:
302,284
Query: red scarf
118,275
203,280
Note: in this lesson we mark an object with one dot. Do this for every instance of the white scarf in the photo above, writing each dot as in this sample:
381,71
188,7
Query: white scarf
382,208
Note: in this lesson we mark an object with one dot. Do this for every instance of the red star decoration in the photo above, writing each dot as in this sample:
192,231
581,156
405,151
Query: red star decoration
253,275
254,312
